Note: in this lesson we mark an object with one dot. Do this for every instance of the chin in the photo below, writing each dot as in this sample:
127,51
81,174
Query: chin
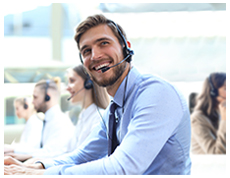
74,101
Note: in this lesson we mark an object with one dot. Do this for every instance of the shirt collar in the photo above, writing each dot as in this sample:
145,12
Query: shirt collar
132,75
50,112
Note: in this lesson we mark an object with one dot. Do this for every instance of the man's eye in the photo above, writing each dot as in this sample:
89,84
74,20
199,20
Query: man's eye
86,51
104,43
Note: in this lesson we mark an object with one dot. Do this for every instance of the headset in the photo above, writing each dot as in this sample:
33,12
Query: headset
213,90
47,97
88,84
25,105
126,50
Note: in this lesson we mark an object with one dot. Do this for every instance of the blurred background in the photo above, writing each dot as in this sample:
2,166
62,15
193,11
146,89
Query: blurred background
181,42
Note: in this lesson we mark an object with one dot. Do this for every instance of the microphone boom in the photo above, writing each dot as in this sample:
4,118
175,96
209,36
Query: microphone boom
107,68
75,94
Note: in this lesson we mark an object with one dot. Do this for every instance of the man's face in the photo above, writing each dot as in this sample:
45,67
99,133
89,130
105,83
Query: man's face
39,100
100,48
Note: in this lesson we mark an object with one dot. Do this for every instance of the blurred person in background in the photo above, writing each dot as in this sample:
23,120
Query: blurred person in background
91,97
208,120
31,135
84,92
57,127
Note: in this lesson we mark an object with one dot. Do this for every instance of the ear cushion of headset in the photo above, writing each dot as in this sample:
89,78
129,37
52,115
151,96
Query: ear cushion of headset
25,106
47,98
88,84
214,93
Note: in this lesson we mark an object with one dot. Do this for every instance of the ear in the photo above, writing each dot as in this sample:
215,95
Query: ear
129,44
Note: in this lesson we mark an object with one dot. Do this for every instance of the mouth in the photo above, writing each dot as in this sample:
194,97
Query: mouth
72,94
101,66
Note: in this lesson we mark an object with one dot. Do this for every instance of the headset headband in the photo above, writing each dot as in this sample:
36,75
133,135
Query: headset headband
213,90
47,97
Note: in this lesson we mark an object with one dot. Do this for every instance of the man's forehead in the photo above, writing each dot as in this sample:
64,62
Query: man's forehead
37,90
95,33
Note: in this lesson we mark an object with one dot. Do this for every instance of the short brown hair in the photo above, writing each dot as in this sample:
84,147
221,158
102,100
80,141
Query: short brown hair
93,21
54,83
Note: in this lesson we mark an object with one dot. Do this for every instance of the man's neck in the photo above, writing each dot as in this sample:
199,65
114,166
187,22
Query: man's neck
113,88
50,106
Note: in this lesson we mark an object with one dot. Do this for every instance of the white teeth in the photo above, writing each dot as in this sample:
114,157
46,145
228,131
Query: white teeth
102,65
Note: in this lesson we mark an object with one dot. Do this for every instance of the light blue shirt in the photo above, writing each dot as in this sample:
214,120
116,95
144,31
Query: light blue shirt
154,133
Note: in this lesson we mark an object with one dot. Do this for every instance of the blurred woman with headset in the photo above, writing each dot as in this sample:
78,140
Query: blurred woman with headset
90,96
209,117
31,135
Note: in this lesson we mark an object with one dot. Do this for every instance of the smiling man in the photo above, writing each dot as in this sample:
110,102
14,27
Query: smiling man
100,48
150,132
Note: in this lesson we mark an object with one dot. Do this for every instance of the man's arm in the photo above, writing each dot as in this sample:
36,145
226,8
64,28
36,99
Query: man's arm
94,147
148,131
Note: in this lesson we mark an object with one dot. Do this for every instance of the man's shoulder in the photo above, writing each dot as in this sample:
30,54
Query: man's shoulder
152,83
144,80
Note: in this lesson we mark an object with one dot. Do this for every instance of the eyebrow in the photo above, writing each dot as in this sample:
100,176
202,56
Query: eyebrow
96,41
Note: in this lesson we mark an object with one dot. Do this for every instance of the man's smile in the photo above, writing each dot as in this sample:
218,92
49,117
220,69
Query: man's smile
101,65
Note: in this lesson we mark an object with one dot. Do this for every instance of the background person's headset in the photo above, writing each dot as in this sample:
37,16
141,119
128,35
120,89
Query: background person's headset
47,97
213,90
25,105
88,84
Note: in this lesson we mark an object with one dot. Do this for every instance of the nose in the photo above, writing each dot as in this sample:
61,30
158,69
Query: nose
68,87
96,53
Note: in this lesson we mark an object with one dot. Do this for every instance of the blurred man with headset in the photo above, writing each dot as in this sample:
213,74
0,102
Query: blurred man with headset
57,129
146,128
